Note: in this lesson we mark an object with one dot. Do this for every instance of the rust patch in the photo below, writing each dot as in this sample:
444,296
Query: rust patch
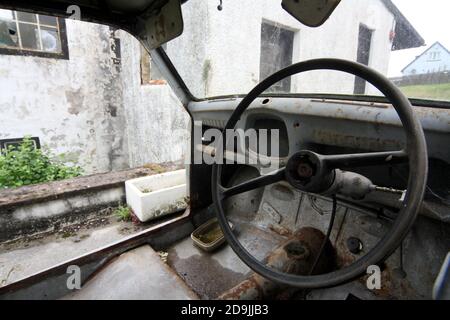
282,231
157,82
204,274
329,137
295,256
354,103
246,290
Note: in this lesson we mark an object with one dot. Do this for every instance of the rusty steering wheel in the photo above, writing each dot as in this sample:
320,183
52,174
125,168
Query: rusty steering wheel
415,153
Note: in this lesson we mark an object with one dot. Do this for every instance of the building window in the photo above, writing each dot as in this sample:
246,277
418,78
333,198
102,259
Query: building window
150,73
23,33
6,144
434,56
276,54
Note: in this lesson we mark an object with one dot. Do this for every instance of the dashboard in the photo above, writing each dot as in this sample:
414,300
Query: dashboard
340,126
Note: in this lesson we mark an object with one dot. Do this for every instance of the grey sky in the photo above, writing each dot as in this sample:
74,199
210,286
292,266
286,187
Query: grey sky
429,17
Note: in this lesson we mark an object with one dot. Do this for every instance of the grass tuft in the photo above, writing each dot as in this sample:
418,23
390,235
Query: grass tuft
123,213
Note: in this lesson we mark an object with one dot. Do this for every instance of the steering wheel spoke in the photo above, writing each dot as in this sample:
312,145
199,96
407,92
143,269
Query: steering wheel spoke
347,161
254,183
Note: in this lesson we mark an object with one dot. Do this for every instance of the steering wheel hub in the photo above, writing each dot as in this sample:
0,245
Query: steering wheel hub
306,171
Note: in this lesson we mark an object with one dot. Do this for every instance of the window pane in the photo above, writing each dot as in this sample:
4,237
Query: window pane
47,20
29,36
26,17
8,30
276,53
50,40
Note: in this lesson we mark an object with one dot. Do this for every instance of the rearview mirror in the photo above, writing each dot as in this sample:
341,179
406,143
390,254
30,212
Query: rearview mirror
312,13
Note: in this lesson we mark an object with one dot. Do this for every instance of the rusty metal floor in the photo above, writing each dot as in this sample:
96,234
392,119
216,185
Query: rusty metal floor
137,275
211,274
190,273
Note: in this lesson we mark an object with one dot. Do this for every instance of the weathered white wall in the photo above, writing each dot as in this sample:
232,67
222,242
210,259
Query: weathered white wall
190,52
224,46
90,108
157,124
74,106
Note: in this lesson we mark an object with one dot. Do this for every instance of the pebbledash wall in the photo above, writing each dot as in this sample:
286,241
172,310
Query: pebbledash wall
227,44
92,107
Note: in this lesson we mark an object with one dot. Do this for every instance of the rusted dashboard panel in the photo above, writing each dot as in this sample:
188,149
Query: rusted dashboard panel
356,125
331,126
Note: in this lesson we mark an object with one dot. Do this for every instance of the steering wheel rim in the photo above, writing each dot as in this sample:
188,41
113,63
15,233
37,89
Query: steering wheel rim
418,164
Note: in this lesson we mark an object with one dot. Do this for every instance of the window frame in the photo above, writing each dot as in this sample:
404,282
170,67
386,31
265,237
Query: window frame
4,143
434,56
360,85
64,54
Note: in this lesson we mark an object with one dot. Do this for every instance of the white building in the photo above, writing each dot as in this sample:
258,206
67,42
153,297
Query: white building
435,59
86,98
89,92
230,51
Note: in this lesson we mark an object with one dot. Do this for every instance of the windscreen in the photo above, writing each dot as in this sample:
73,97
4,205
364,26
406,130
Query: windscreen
229,51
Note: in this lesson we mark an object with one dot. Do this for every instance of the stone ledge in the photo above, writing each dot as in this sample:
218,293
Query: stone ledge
46,207
15,197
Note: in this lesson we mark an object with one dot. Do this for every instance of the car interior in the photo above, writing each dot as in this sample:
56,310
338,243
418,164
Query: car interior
354,193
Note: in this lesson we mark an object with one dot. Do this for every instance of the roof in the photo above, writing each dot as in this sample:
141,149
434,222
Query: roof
406,35
423,53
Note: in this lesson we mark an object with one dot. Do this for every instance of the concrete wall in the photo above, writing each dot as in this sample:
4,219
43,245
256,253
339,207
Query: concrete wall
224,46
74,106
157,125
91,107
435,59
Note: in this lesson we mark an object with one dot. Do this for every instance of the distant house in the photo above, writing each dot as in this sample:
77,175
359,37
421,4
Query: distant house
435,59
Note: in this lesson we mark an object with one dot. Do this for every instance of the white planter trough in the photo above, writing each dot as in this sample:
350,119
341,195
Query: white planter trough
158,195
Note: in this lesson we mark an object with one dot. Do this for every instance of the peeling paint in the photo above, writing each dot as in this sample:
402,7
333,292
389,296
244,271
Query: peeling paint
92,108
75,100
